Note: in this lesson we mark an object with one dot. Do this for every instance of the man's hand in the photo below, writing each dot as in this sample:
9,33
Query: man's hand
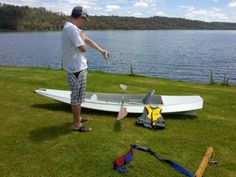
105,55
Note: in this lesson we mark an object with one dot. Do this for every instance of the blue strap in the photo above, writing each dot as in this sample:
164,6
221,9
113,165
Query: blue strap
171,163
178,168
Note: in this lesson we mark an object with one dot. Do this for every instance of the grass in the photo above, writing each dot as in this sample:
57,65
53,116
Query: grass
37,141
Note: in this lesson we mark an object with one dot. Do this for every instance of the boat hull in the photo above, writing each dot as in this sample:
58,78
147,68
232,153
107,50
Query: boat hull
133,102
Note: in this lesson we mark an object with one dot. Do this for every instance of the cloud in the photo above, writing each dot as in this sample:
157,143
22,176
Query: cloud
216,9
141,4
111,8
232,4
208,15
115,7
147,3
187,8
88,3
64,6
20,2
160,13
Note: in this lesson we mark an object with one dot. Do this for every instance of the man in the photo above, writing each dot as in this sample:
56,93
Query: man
75,62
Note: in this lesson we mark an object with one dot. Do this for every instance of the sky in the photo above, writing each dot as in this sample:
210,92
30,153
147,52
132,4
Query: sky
204,10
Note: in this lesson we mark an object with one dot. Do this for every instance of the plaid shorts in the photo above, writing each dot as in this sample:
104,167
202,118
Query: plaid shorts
77,87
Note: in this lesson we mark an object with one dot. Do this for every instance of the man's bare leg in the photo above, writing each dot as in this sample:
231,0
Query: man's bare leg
76,110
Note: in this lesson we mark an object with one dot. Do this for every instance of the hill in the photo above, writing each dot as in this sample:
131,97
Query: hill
18,18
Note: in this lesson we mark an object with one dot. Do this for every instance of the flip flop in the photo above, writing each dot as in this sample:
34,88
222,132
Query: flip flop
83,129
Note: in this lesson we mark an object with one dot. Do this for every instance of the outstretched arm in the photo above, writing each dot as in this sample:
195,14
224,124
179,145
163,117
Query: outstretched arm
94,45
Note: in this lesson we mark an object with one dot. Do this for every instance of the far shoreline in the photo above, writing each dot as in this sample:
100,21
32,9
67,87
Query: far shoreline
122,74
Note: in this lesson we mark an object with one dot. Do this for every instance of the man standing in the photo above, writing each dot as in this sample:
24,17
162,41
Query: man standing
75,62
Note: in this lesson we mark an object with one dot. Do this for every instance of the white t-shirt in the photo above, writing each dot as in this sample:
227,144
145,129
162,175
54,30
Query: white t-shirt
73,60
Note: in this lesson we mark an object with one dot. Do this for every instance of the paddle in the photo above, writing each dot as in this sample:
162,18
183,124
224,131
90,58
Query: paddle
123,111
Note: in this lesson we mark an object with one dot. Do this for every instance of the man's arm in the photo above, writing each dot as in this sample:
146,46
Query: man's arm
94,45
82,48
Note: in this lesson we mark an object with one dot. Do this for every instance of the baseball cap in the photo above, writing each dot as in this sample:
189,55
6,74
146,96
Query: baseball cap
79,11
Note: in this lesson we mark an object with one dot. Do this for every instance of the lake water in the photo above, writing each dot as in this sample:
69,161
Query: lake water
186,55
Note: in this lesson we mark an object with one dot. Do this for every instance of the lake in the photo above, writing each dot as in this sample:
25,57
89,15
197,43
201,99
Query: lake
187,55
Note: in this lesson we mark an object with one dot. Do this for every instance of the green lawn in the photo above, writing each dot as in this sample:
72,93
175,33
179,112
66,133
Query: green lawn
36,137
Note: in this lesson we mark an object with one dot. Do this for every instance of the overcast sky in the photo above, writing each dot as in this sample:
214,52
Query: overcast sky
205,10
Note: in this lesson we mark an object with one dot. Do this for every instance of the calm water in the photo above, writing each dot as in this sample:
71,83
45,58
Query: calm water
180,55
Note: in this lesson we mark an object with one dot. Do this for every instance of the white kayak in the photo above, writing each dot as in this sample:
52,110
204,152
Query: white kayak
133,102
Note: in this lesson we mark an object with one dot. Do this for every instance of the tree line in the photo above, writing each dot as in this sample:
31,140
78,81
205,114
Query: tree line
24,18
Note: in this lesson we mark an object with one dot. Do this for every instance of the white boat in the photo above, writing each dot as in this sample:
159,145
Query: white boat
133,102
